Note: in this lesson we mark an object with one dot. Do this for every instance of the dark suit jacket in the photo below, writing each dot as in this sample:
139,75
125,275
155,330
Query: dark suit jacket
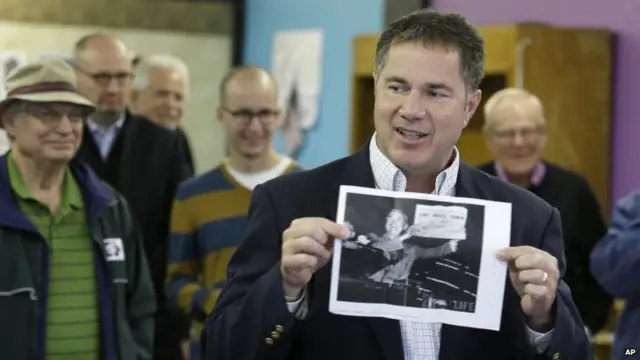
251,319
583,226
188,154
145,165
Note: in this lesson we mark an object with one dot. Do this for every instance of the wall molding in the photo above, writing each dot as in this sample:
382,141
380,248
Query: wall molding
177,15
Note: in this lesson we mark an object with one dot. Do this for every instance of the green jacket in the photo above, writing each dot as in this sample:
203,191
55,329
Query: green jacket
127,301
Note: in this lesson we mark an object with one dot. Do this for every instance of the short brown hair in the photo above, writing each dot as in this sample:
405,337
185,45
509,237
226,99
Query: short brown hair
430,27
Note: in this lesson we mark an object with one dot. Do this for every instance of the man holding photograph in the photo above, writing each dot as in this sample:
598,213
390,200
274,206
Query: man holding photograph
429,66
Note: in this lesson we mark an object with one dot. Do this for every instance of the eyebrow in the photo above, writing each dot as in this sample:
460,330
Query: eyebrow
396,79
437,86
427,86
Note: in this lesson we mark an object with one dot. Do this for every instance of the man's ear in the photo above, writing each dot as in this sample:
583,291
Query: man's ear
219,113
8,124
473,102
543,137
375,79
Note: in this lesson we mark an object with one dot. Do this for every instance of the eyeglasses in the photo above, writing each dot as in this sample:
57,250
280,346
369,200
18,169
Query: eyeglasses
524,133
244,116
54,113
103,78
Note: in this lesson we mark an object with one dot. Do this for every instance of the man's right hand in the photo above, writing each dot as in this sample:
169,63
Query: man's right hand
306,247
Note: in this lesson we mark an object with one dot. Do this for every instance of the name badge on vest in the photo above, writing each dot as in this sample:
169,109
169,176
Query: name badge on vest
114,249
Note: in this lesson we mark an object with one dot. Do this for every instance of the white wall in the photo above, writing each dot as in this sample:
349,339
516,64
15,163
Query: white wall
208,58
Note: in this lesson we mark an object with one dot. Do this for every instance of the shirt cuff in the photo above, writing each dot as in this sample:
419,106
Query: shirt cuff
300,307
293,306
541,341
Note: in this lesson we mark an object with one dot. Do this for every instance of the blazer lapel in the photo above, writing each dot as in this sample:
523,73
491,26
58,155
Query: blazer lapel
126,152
88,146
128,136
465,187
358,172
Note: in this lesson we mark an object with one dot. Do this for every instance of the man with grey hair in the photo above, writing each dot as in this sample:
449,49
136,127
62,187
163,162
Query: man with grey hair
159,91
515,131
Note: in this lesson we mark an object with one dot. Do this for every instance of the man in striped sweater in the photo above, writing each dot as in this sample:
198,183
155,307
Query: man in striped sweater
210,212
74,283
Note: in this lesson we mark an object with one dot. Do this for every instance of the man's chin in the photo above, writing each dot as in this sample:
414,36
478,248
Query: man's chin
252,153
520,168
60,156
412,162
111,111
168,122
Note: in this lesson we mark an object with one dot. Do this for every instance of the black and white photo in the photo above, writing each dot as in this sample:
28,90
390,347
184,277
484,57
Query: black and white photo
418,256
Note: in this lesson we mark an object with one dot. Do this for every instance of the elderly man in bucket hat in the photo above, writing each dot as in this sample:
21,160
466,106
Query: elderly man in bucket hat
74,282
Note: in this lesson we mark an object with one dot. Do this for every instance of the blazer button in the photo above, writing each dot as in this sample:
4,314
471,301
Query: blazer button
556,356
268,341
275,335
279,328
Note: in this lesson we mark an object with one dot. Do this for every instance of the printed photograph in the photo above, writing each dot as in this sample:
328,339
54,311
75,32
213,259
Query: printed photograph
411,252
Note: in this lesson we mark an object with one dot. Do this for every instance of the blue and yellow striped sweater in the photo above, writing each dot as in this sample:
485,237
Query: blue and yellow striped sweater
208,222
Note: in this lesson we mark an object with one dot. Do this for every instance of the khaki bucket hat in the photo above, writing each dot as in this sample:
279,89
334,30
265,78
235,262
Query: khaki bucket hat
50,80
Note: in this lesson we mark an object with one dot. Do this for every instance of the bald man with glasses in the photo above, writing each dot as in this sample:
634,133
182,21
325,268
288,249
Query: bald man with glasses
209,214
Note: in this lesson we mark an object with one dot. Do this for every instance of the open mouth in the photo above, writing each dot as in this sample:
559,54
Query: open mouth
410,134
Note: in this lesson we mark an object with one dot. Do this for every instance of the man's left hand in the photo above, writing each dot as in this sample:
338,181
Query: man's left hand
534,274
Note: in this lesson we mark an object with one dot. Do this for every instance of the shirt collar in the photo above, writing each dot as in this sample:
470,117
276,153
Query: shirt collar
71,194
93,126
387,176
537,175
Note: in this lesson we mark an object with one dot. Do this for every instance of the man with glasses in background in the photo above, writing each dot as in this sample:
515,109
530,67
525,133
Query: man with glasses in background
515,130
210,213
142,160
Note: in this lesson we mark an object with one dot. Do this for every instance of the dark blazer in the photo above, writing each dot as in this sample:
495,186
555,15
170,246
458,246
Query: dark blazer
187,152
146,165
251,319
582,226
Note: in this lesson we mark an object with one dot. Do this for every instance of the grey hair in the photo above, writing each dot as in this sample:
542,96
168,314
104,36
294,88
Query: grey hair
15,108
158,61
431,28
512,95
400,213
13,111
